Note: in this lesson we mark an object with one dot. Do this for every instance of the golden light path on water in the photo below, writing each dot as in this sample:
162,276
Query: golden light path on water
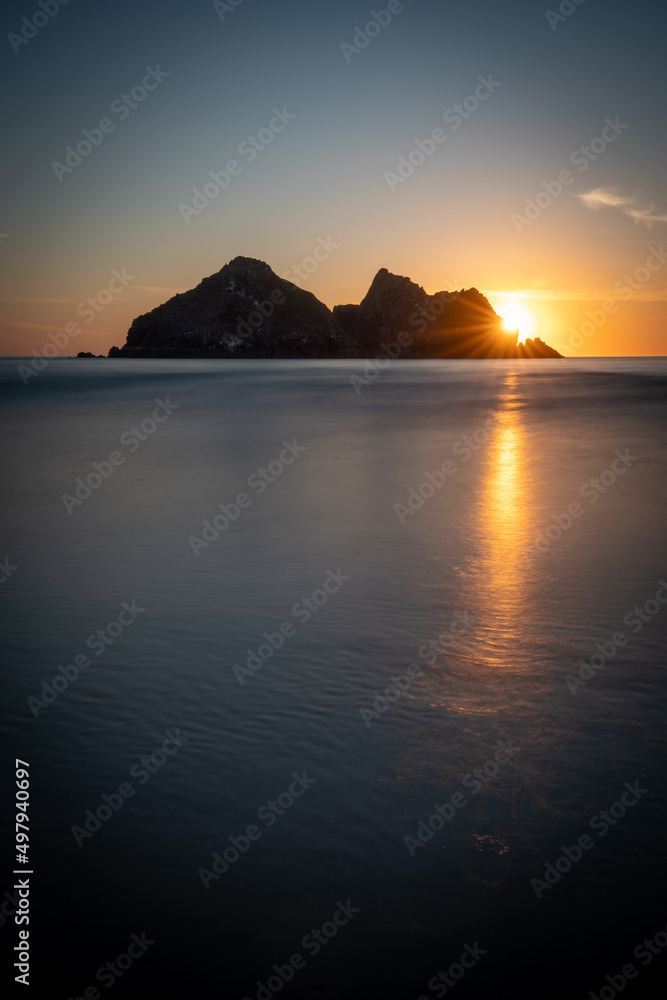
499,584
503,514
485,684
503,690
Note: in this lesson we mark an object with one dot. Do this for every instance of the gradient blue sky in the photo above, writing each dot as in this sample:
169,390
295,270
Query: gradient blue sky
448,225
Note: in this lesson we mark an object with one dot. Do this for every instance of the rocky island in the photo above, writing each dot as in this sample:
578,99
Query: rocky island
246,311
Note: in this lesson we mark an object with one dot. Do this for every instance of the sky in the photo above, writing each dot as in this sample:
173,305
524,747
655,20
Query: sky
512,147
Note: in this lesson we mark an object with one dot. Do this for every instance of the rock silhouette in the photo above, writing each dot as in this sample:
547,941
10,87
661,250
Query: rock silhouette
246,311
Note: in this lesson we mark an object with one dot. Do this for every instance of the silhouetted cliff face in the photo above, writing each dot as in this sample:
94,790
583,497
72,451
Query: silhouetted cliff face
392,304
243,311
445,325
247,311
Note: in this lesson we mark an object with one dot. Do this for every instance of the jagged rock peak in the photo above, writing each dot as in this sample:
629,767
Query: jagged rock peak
384,280
251,263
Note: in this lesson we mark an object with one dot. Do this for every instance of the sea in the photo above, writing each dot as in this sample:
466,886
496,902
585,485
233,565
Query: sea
336,679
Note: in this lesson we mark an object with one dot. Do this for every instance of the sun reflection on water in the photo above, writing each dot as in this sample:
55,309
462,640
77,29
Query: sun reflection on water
490,685
503,511
499,583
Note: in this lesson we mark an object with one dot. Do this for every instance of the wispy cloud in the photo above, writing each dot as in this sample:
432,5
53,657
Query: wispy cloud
604,196
34,326
48,301
58,301
41,326
610,198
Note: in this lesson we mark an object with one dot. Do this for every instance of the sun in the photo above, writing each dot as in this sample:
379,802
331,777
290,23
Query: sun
517,316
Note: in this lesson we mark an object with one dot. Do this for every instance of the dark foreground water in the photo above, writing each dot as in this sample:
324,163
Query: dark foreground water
263,817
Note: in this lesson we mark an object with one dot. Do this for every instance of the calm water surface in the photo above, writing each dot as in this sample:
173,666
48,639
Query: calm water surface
481,559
